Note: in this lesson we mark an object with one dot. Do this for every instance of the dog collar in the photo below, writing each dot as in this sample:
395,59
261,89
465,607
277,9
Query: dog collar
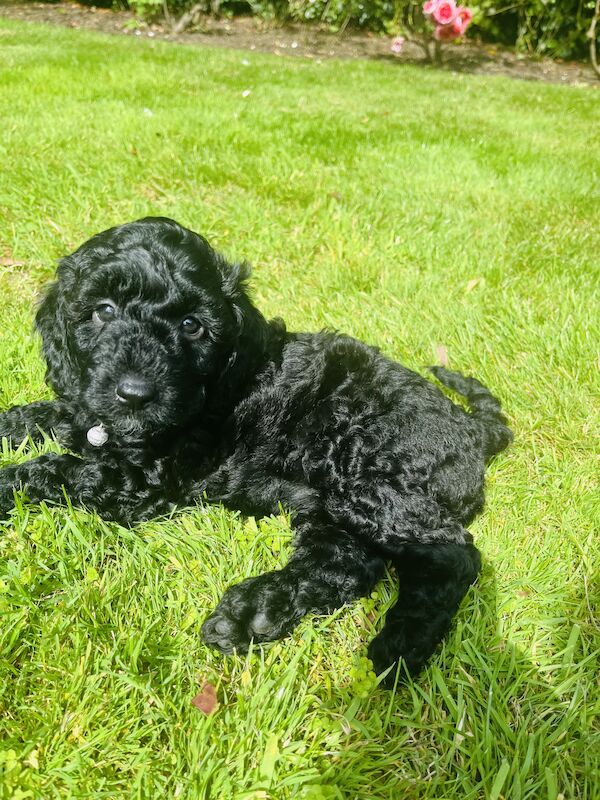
97,436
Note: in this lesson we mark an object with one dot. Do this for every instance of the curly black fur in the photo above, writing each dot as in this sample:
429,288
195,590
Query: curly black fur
148,332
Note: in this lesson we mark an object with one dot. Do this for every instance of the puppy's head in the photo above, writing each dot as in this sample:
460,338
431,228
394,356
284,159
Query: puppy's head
143,321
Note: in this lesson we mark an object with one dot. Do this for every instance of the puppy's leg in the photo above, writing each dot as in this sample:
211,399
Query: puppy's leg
117,491
328,568
32,420
434,578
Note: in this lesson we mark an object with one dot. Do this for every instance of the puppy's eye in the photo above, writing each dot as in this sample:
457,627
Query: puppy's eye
105,312
192,328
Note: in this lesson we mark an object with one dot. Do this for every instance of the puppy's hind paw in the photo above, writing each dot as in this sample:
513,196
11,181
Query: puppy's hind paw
391,649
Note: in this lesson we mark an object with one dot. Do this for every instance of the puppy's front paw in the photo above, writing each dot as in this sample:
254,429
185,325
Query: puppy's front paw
8,485
262,609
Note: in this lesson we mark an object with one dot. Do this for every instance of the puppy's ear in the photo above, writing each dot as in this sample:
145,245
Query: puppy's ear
52,322
254,335
233,278
252,326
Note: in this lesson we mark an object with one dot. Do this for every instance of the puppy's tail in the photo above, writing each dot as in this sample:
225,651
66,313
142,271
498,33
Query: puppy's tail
484,407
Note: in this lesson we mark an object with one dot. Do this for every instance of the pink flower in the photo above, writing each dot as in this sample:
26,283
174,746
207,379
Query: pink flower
397,44
445,33
445,12
463,19
429,7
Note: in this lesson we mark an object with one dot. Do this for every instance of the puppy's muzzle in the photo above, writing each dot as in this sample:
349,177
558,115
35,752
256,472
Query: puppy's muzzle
135,391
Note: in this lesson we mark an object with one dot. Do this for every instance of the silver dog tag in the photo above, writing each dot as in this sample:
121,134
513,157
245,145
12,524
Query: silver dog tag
97,436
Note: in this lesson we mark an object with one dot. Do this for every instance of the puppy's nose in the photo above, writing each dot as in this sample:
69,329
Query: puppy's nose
135,391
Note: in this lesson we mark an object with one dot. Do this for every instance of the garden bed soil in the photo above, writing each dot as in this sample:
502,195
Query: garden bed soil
302,41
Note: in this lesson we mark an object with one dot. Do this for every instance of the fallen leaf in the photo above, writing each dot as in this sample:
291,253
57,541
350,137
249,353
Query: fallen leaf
442,355
53,225
472,284
11,262
206,700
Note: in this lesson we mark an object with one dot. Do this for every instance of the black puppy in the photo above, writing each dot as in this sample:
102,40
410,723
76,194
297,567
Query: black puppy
172,386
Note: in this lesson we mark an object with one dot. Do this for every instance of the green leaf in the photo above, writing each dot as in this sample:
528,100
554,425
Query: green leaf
270,756
499,781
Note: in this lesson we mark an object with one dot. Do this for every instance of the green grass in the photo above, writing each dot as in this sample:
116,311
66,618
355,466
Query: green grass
410,208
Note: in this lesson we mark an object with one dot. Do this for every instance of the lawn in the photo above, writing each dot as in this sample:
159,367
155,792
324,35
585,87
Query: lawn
414,209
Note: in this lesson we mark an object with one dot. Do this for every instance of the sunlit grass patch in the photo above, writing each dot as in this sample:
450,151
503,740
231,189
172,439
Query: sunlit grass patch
411,209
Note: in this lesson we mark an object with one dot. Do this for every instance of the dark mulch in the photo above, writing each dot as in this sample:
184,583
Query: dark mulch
302,41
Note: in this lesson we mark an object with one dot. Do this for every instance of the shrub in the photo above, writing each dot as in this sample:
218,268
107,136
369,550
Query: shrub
553,27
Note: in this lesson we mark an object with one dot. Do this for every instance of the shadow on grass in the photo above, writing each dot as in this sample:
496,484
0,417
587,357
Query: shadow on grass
486,718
